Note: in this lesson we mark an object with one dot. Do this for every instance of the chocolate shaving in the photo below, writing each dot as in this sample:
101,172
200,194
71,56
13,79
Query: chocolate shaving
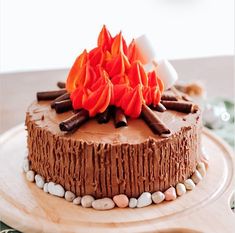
105,116
50,95
75,121
120,118
169,97
61,84
63,106
151,119
179,106
159,108
65,96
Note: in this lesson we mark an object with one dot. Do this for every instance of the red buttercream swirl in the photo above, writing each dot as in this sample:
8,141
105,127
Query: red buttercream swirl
112,74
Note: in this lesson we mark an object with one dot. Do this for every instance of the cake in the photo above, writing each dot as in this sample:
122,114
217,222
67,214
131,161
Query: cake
121,133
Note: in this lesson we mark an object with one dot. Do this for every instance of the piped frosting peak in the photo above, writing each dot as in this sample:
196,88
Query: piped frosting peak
112,74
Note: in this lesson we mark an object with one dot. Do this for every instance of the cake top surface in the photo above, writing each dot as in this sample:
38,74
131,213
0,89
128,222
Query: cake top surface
136,132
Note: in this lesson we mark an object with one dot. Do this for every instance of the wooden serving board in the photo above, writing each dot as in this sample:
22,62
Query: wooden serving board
28,209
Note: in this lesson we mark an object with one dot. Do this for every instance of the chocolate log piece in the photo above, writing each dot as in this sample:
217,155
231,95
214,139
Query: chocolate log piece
179,106
159,108
151,119
61,84
119,118
187,98
63,106
169,97
75,121
65,96
195,108
50,95
105,116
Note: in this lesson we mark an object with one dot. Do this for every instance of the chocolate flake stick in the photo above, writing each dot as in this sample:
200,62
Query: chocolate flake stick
151,119
159,108
179,106
105,116
75,121
63,106
50,95
169,97
119,118
186,98
65,96
61,84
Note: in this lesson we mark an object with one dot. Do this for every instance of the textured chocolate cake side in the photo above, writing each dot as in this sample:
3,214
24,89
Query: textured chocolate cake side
103,161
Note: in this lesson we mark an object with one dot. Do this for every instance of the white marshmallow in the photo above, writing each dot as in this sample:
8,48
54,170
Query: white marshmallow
145,48
165,71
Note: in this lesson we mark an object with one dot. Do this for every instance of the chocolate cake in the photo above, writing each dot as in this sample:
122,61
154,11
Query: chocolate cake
116,134
102,160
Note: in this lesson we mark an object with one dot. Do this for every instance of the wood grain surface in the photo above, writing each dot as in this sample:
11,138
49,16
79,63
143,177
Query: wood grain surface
29,209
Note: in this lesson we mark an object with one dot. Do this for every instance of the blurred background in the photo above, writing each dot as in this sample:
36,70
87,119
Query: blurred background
49,34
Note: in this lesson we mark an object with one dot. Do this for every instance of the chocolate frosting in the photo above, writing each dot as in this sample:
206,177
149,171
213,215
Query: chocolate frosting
103,161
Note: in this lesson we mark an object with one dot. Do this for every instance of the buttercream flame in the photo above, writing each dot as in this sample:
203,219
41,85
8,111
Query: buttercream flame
112,74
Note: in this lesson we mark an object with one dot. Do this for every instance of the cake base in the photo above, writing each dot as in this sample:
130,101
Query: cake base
27,208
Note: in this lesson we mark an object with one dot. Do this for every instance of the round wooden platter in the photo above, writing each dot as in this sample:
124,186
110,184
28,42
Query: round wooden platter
28,209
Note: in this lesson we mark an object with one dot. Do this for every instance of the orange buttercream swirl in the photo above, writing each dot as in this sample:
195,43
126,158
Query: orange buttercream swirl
112,74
